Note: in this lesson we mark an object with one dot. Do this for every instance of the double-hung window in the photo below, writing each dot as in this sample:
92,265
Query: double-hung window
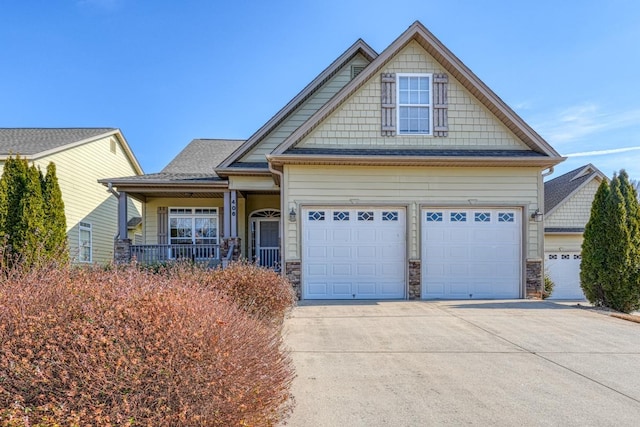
85,242
414,104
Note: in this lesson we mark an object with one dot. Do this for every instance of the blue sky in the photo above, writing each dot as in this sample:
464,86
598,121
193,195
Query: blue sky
165,72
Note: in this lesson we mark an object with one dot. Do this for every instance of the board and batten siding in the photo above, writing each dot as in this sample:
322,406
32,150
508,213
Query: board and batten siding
85,200
412,187
306,110
576,211
356,123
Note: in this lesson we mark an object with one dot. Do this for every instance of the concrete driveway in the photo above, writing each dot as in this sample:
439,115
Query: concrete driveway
414,363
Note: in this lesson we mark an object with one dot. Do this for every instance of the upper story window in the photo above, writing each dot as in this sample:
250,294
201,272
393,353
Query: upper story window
414,103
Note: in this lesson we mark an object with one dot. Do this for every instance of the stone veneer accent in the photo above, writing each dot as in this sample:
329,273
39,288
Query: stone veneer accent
534,278
122,251
292,272
414,279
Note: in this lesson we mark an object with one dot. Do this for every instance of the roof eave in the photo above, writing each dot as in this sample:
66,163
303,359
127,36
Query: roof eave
225,172
281,160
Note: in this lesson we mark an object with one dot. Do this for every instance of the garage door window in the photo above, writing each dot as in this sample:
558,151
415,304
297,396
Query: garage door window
482,217
458,217
341,216
316,216
506,217
365,216
434,216
390,216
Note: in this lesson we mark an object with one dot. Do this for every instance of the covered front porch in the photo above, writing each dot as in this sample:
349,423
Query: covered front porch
207,223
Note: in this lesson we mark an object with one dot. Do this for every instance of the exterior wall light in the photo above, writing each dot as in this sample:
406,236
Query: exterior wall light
537,216
292,215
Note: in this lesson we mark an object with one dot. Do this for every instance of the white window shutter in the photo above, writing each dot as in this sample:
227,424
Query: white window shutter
440,105
163,225
388,103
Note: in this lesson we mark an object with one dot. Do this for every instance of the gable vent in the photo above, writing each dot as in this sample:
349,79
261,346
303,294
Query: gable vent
355,70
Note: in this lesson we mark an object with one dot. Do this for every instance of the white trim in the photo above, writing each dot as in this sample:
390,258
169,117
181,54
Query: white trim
399,105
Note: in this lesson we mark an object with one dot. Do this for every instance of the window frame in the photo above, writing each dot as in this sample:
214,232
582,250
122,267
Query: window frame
428,106
193,214
87,227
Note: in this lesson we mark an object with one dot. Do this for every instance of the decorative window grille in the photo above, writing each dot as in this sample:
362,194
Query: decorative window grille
365,216
390,216
458,217
341,216
482,217
316,215
434,216
506,217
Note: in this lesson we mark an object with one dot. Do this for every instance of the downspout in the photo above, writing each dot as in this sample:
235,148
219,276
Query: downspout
283,214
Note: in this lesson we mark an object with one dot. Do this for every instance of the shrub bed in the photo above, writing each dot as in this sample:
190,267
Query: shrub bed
130,347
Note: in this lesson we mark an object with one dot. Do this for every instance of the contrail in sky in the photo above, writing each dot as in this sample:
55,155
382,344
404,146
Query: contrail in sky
602,152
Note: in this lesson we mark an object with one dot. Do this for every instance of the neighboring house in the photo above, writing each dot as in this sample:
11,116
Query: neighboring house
81,156
567,200
392,175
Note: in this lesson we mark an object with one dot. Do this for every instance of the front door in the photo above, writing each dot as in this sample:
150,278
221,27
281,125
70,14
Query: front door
267,242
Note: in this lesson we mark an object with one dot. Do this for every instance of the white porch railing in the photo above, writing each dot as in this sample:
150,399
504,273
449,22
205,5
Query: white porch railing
150,254
268,257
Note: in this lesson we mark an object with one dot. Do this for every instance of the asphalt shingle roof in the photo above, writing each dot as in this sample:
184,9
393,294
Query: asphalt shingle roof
558,189
202,156
30,141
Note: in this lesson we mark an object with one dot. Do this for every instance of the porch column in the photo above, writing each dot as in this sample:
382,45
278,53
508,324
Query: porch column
122,216
227,215
234,214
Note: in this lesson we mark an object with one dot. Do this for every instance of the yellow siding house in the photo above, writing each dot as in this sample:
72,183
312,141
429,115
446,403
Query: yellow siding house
390,176
81,156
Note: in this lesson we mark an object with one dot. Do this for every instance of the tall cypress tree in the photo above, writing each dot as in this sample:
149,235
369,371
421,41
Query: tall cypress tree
14,178
594,247
31,229
56,221
608,272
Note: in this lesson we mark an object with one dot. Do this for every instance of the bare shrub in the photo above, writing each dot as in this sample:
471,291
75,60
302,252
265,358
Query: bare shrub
129,347
262,292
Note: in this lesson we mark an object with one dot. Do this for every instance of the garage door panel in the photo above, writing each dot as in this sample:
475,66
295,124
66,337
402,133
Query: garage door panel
341,269
341,289
564,270
364,253
366,269
339,252
477,258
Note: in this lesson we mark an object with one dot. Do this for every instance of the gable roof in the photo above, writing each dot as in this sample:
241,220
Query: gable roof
33,143
417,32
560,189
359,47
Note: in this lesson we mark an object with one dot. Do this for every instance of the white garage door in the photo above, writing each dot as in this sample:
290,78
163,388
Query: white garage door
353,253
471,253
564,269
